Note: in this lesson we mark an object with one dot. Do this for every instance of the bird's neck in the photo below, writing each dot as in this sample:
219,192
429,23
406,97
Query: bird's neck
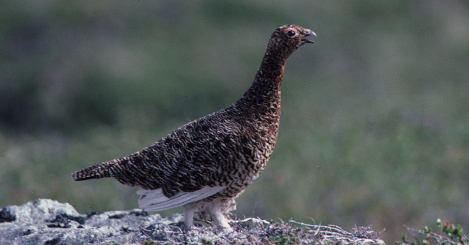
265,89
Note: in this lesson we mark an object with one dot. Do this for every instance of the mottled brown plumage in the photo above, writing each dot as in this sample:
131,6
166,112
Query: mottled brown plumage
206,163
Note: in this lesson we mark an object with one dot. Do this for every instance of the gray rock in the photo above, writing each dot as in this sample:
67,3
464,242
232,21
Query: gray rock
45,221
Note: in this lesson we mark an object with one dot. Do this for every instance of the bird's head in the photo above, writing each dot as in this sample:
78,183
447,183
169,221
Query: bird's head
288,38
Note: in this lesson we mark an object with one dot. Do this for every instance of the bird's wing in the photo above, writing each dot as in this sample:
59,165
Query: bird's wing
155,200
204,152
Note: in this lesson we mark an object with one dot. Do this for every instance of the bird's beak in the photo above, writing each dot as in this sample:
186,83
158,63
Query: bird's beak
309,33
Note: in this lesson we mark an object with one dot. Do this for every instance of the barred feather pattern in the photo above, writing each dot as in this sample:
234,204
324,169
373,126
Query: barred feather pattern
228,148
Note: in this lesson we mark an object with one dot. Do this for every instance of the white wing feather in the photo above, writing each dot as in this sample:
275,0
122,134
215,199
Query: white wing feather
155,200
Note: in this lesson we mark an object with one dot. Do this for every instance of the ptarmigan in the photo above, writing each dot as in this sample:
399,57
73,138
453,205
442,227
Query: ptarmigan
205,164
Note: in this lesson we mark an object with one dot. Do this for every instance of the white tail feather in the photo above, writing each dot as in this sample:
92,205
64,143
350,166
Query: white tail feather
155,200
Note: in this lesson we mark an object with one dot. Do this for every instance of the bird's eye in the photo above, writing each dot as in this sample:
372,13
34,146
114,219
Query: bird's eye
291,33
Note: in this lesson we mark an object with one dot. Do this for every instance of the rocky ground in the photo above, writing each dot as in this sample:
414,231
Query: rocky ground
46,221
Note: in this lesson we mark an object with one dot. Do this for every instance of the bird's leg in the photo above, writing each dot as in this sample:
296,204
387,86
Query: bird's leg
189,210
216,210
220,220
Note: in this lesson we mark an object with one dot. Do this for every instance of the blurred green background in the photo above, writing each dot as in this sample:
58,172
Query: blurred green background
374,126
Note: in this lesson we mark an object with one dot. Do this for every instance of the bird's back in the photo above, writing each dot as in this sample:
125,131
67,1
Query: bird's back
226,148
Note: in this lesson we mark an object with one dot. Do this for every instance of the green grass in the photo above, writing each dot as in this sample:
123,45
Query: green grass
374,126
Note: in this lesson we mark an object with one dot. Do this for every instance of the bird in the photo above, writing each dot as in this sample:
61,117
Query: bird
205,164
